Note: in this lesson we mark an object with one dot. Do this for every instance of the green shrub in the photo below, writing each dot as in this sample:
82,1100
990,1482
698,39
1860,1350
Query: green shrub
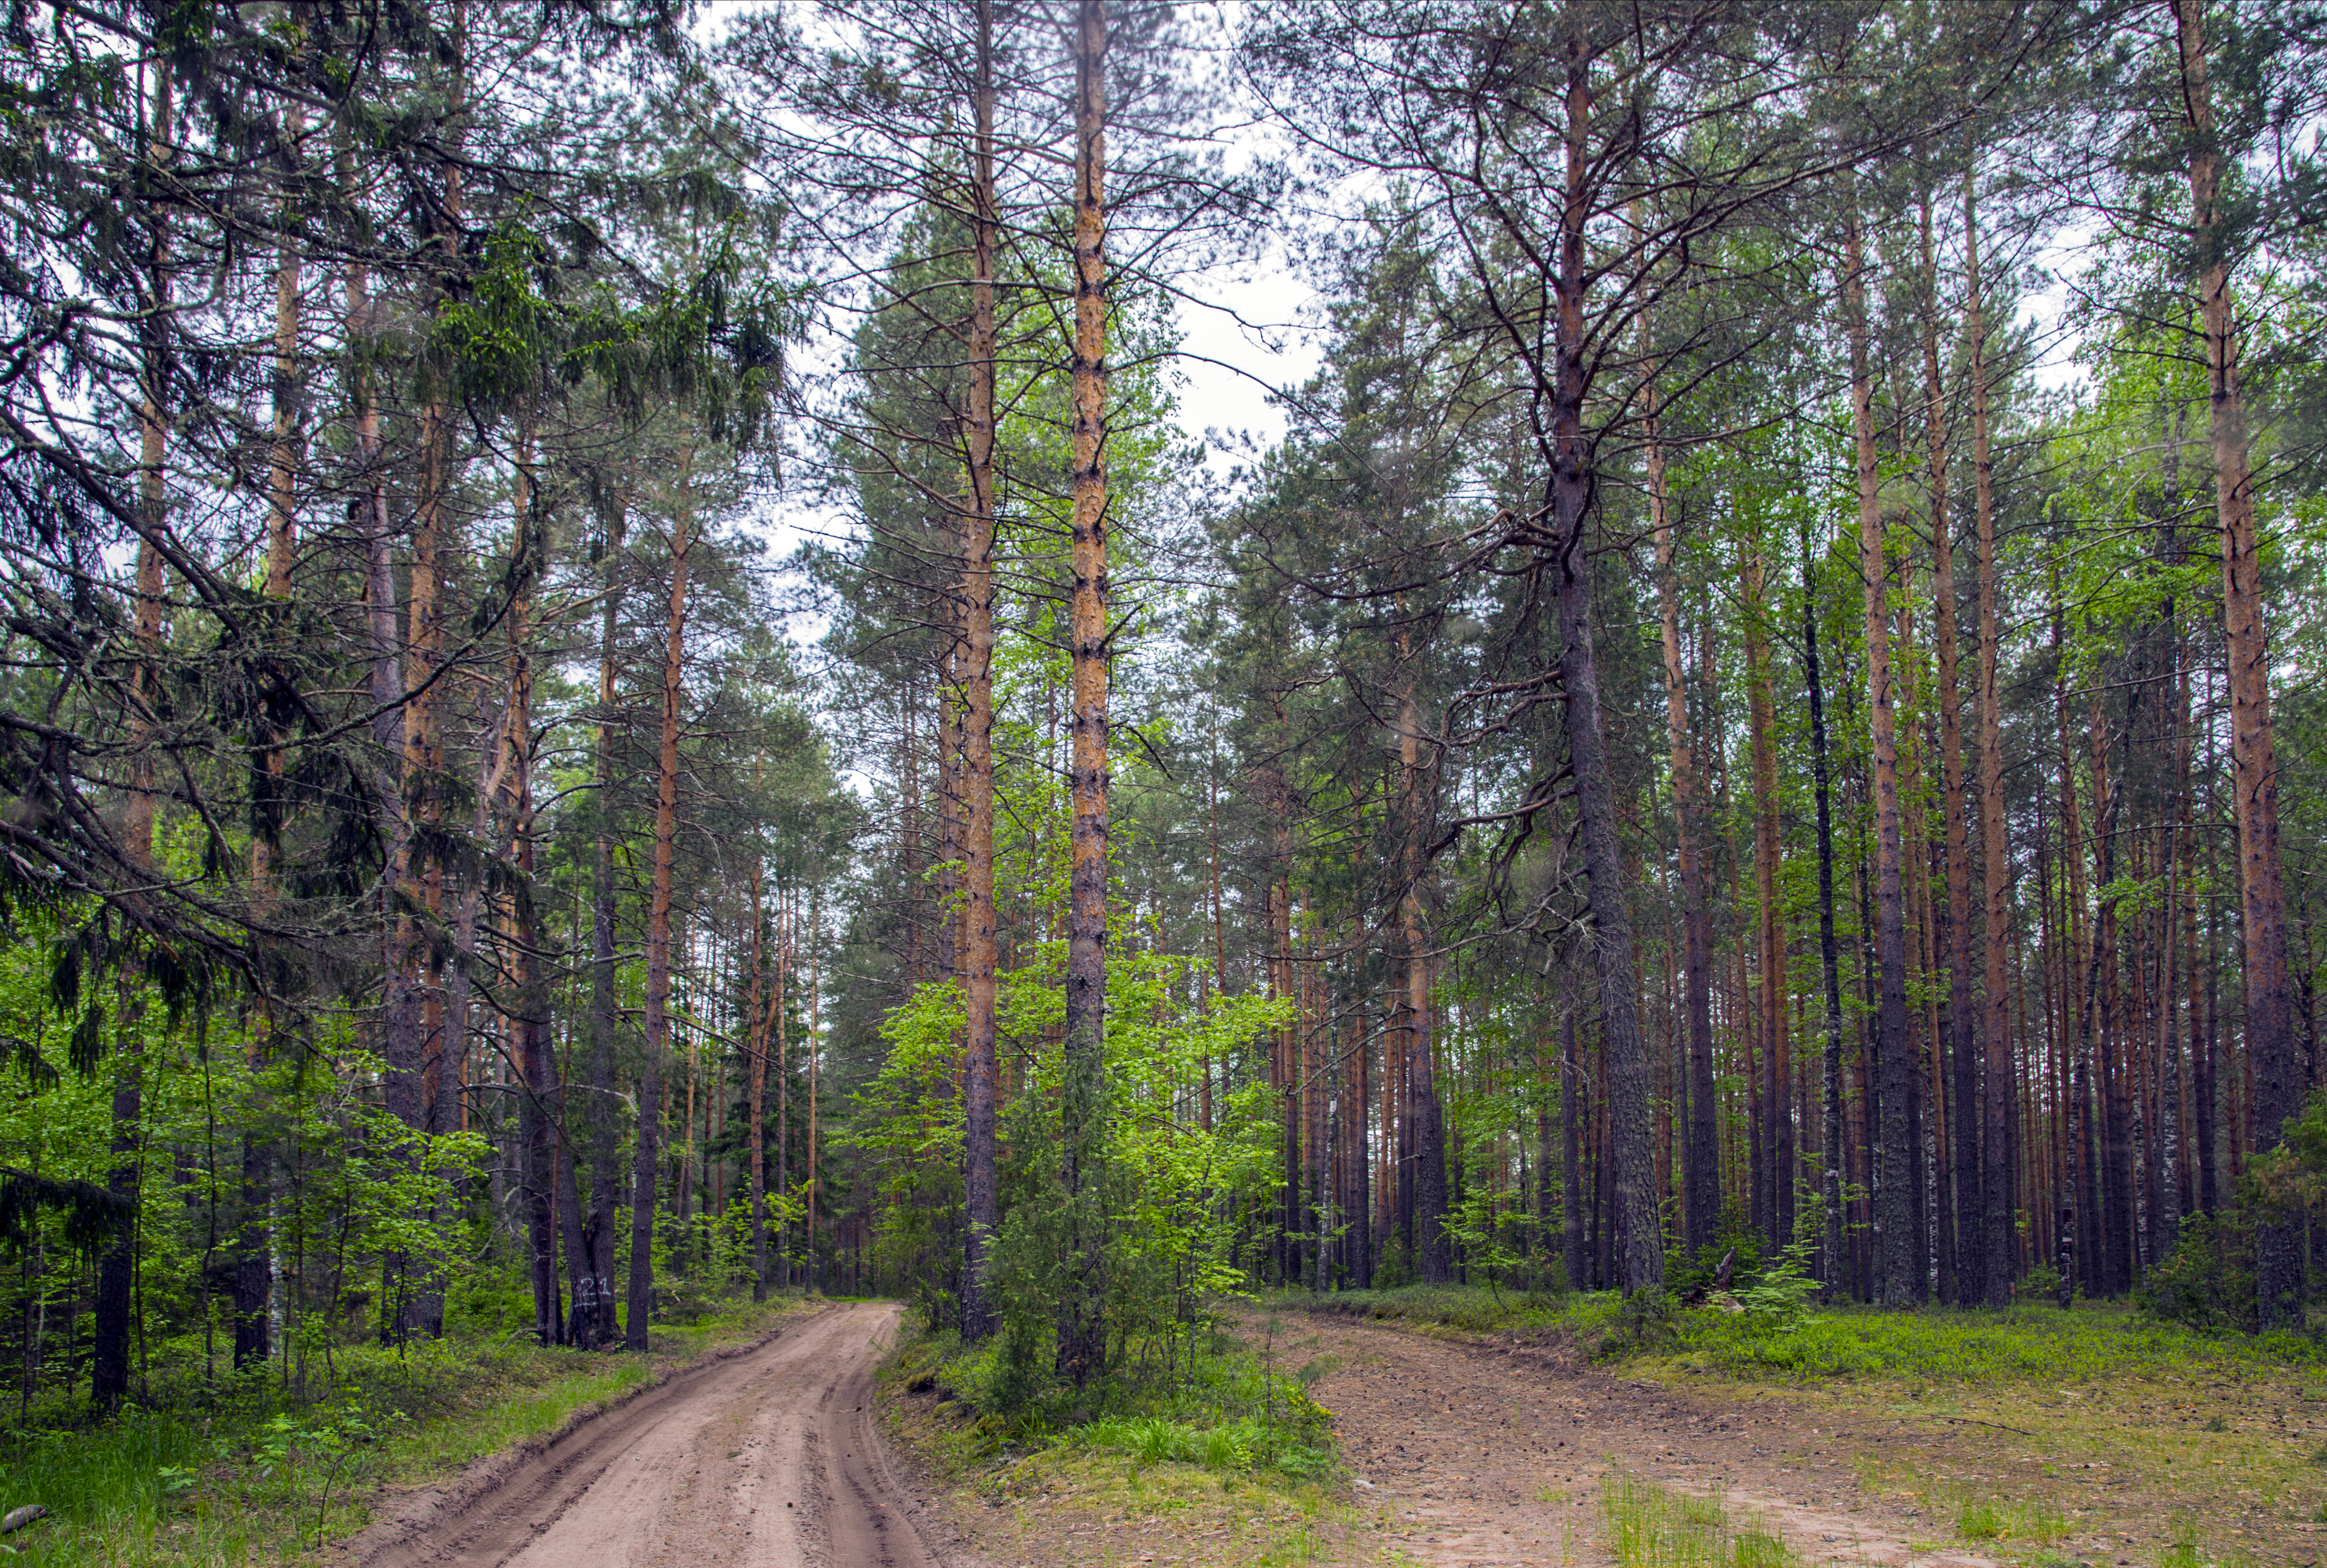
2208,1280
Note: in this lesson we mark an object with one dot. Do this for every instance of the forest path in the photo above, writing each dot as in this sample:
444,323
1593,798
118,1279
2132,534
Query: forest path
767,1458
1475,1455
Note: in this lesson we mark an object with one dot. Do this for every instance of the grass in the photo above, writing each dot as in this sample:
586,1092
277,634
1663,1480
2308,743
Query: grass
1222,1403
1228,1461
1650,1526
1465,1308
2032,1522
1141,1485
2027,1343
237,1474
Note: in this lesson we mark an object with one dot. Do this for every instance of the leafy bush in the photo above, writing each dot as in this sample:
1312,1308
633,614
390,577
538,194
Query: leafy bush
2208,1280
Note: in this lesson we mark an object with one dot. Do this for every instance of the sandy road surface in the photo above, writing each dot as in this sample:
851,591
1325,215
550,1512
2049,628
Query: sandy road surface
1480,1457
770,1458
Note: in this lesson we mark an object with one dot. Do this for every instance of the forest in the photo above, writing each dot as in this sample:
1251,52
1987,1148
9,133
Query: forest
634,674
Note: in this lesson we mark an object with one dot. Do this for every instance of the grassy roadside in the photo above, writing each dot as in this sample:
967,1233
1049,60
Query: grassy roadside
2043,1437
238,1474
1187,1481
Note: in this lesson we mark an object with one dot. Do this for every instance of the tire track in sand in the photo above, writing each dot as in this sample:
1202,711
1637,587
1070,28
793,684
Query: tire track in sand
769,1459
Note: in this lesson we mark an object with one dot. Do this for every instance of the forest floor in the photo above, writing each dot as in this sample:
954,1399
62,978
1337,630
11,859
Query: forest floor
2098,1439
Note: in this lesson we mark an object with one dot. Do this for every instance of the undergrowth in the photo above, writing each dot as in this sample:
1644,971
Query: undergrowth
2030,1342
2023,1343
1223,1406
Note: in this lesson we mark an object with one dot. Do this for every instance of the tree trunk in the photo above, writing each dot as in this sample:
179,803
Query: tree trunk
1566,453
1700,1171
1967,1211
1082,1334
755,1066
1899,1266
1834,1268
1434,1259
114,1306
1572,1203
594,1321
1995,1244
645,1167
418,1014
1767,854
783,1084
541,1099
979,955
2254,772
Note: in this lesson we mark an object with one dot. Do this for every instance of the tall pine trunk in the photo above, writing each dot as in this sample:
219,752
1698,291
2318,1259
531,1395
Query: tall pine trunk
1900,1265
980,957
1996,1247
594,1320
114,1298
1082,1332
760,1005
1700,1170
398,1021
646,1158
1567,455
2278,1077
1433,1258
1834,1262
1768,856
548,1175
1969,1269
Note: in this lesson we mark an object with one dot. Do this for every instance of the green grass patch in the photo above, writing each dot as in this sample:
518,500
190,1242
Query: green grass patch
1468,1309
1650,1526
1228,1405
2031,1343
2038,1523
1230,1451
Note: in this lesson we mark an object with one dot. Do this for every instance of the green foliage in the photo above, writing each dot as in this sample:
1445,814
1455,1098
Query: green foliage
1229,1447
1224,1405
1168,1188
2026,1342
1777,1298
1394,1269
2208,1280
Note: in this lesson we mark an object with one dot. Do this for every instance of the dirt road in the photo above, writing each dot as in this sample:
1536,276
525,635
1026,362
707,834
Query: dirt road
1473,1457
769,1459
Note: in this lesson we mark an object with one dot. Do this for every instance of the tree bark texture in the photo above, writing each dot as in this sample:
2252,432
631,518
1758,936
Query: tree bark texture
645,1167
1899,1266
980,953
1700,1169
2278,1077
1082,1334
1995,1251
